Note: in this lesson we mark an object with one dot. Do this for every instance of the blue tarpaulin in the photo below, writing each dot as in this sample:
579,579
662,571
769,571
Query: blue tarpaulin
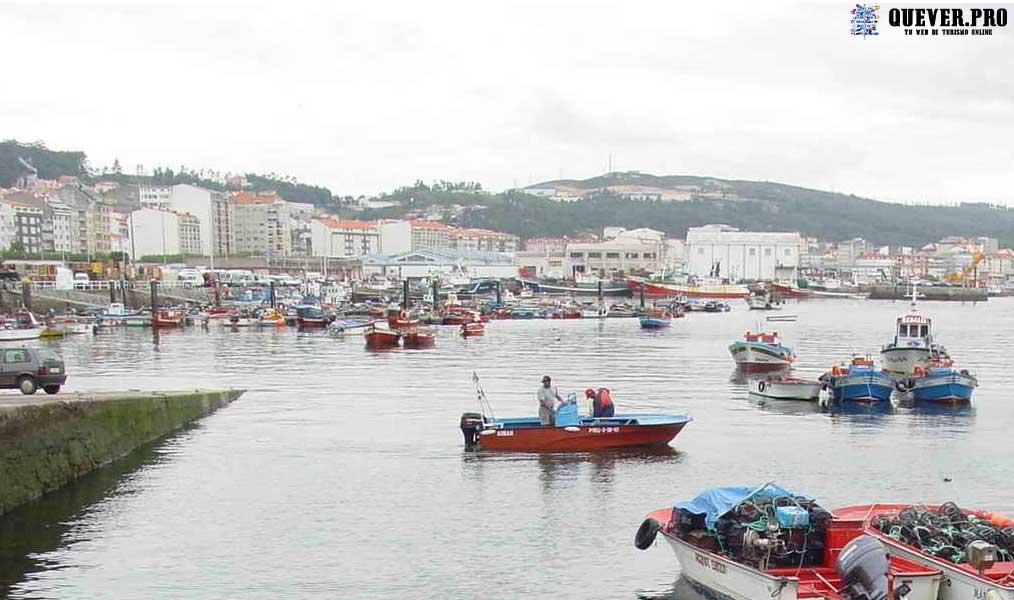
715,502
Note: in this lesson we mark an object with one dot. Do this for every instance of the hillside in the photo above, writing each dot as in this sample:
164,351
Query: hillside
49,163
762,206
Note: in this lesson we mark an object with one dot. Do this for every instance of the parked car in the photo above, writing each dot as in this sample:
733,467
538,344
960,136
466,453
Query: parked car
81,281
28,369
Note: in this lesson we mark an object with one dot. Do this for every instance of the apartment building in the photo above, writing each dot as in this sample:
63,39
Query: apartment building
260,223
343,239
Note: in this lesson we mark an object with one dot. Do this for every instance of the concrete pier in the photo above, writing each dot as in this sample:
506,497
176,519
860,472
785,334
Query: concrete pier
904,292
46,441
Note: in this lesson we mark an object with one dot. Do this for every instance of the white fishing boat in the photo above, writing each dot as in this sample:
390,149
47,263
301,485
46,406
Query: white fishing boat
22,325
597,311
764,301
785,388
913,344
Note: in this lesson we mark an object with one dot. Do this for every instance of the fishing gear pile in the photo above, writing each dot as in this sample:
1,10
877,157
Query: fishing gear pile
767,532
947,531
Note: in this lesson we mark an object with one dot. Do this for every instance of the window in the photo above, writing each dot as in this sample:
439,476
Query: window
767,252
649,255
577,254
612,254
594,255
753,251
16,356
631,255
556,263
788,252
700,251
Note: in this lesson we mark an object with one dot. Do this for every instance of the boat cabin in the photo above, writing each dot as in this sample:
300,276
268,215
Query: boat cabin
763,338
913,328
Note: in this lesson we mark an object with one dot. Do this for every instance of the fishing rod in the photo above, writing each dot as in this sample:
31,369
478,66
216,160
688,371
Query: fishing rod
484,404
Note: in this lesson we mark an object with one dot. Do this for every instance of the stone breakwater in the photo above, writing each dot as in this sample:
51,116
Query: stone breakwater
47,441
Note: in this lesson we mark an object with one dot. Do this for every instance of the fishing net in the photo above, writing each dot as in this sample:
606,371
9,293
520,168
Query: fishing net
946,531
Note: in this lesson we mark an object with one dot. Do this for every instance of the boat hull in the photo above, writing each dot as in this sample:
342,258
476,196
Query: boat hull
28,333
953,388
578,438
862,387
381,339
785,389
902,361
721,291
752,357
655,323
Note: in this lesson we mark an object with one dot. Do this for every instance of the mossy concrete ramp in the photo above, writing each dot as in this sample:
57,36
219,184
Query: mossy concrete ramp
46,441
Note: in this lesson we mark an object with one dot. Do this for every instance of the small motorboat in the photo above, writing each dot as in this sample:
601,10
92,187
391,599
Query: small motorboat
272,318
401,320
942,383
622,310
473,329
168,317
141,319
714,306
786,388
656,318
418,337
767,543
311,317
973,548
859,382
380,338
764,300
570,431
595,311
761,352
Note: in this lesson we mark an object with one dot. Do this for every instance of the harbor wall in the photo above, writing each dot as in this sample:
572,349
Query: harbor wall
47,441
904,292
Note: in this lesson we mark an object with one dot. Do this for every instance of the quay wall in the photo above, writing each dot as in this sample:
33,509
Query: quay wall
47,441
903,292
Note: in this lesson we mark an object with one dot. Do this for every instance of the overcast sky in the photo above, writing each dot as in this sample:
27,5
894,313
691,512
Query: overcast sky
368,97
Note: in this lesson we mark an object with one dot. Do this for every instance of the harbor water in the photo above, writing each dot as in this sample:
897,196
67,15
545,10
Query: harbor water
341,473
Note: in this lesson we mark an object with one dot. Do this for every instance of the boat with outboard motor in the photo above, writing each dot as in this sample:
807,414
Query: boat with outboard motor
913,344
570,431
859,381
974,549
22,325
656,318
761,352
765,542
785,388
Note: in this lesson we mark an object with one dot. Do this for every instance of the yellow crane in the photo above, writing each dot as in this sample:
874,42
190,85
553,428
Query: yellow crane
969,275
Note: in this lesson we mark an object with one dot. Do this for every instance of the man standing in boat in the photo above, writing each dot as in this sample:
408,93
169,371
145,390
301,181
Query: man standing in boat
548,395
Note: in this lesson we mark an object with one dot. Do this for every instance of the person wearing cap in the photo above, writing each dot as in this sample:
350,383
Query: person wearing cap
548,396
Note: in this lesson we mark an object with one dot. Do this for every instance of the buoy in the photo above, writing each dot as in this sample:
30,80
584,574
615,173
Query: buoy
646,533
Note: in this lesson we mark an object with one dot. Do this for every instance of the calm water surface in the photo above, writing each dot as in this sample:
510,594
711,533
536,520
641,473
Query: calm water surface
341,473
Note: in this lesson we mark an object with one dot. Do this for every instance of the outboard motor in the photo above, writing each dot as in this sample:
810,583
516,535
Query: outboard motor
471,424
863,565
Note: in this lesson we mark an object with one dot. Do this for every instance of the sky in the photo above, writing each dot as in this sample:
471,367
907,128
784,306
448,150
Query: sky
364,97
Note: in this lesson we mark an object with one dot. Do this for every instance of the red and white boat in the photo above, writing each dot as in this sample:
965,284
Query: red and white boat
473,329
168,317
401,320
978,574
380,338
761,352
801,552
701,290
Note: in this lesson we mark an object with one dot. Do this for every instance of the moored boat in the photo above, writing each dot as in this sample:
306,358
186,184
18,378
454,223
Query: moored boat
272,318
761,352
951,539
380,338
473,329
785,388
418,337
860,381
913,344
764,300
656,318
942,383
22,325
768,543
701,290
596,311
168,317
141,319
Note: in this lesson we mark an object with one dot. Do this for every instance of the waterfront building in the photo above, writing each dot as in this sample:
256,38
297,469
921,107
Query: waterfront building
483,239
546,263
154,232
429,262
726,252
615,257
344,238
199,203
260,223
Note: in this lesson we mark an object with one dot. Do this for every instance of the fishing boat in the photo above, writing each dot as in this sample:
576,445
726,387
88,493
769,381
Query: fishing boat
380,338
570,432
240,320
473,329
622,310
972,548
706,289
860,381
656,318
311,317
168,317
714,306
607,288
785,388
22,325
401,320
913,344
419,337
272,318
114,315
767,543
764,300
942,383
761,352
140,319
595,311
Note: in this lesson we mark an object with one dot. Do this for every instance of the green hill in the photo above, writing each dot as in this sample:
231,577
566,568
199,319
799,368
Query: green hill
49,163
754,205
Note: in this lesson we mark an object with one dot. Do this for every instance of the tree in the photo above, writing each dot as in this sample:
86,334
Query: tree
116,166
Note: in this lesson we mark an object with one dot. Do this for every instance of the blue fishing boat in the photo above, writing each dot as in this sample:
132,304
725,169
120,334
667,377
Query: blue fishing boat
942,384
761,352
860,382
656,318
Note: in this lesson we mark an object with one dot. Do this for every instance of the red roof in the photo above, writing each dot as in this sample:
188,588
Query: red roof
347,224
255,198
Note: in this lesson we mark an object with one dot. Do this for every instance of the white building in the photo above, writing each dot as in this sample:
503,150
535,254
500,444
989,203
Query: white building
343,239
63,222
155,196
7,233
395,236
154,232
728,253
260,224
200,203
612,257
